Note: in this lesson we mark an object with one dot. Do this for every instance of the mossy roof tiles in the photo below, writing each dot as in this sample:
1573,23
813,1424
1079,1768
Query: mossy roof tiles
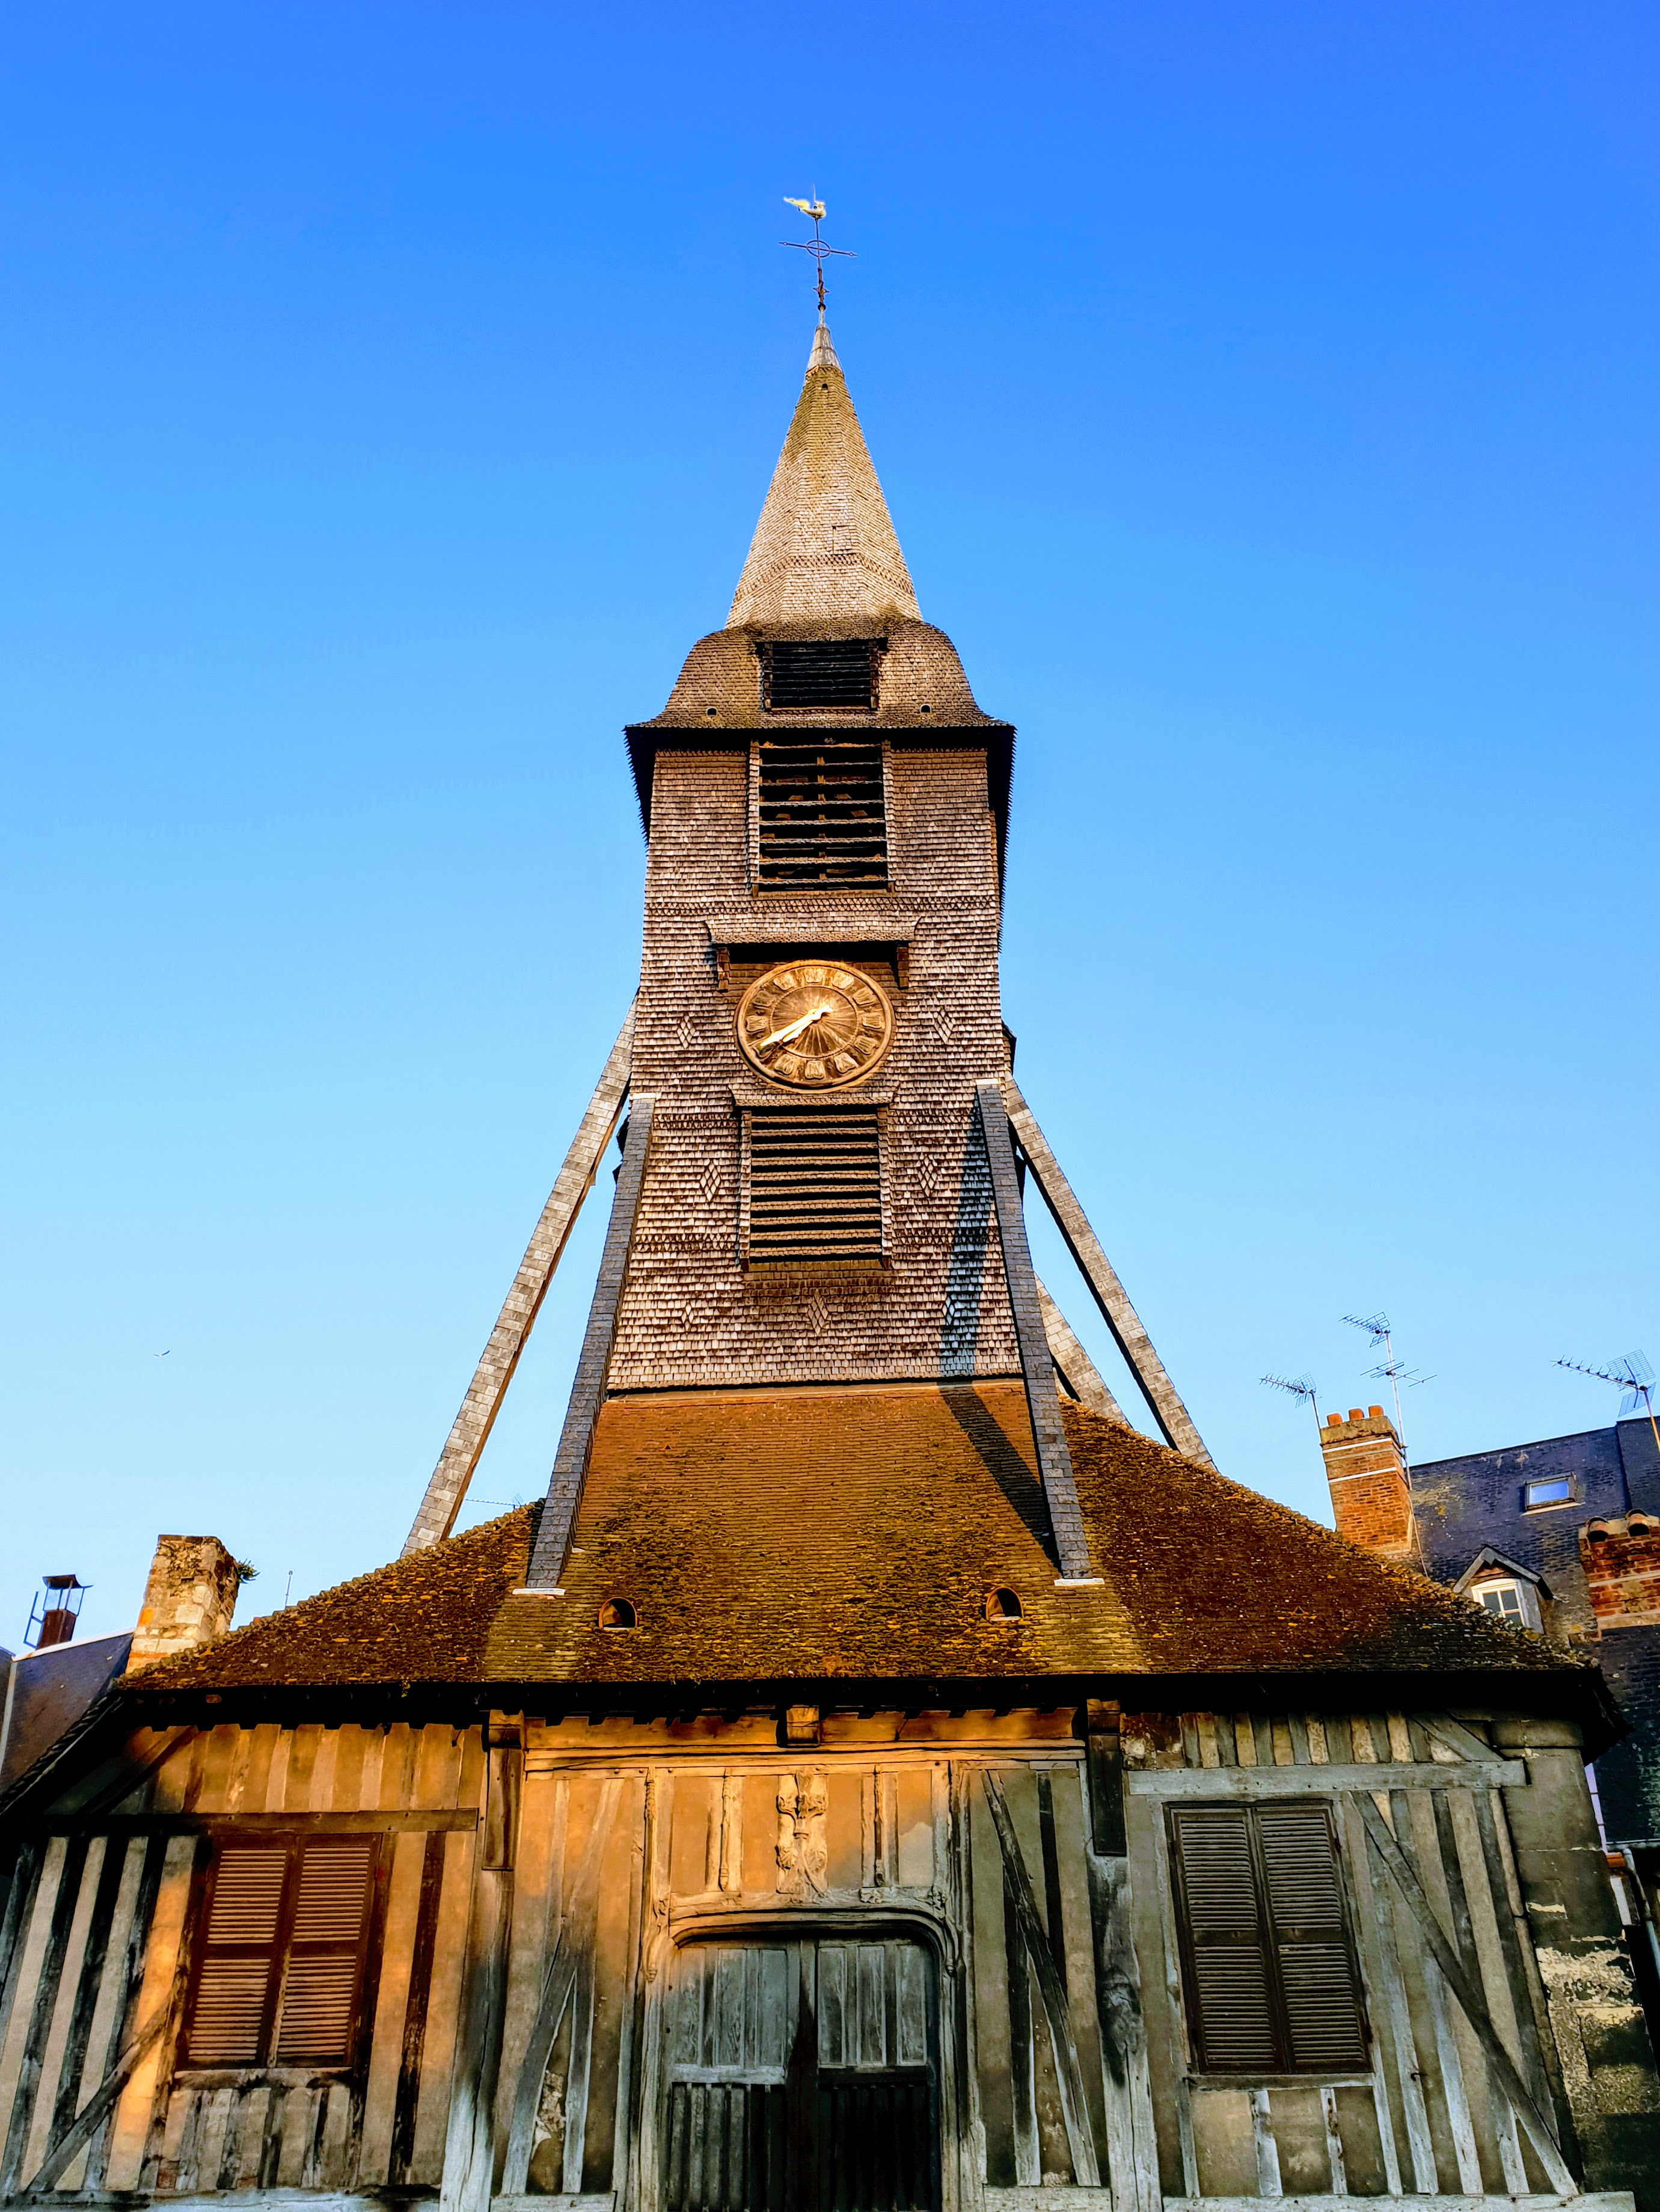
852,1534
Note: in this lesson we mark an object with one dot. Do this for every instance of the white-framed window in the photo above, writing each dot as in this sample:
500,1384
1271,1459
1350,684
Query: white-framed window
1503,1598
1548,1490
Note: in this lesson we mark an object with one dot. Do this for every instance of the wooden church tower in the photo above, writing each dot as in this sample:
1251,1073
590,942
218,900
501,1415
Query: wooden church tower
877,1778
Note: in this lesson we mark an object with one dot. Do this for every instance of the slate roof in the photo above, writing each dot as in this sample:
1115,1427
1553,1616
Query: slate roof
852,1534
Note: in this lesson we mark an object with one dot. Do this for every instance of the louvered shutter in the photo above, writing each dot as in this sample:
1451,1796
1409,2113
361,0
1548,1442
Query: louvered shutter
326,1946
815,1191
232,1998
1230,2011
1318,1984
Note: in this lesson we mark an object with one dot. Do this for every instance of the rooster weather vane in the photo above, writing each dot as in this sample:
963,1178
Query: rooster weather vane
814,210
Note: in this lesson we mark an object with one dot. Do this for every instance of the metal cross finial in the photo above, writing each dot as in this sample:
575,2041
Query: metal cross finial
814,209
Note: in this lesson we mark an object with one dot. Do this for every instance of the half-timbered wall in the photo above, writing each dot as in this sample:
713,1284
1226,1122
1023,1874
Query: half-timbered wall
594,1947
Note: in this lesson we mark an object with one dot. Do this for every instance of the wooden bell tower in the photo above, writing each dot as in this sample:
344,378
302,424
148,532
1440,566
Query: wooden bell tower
819,1187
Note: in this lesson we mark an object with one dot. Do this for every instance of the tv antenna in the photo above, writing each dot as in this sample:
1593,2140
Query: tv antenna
1632,1377
1389,1370
814,210
1299,1386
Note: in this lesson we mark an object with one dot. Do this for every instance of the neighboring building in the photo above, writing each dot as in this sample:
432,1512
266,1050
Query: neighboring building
1560,1537
875,1778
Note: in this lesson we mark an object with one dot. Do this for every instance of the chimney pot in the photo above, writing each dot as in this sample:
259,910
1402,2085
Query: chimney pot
1375,1413
1333,1420
1355,1414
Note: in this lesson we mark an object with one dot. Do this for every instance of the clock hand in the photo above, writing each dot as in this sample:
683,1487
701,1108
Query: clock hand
795,1029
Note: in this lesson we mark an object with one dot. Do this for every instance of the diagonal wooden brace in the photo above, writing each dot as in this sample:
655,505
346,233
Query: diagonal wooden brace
1077,1371
1037,1362
479,1408
1509,2081
1175,1424
587,1392
1068,2073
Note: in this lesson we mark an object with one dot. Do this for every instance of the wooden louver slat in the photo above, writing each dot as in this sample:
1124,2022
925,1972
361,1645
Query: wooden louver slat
815,1186
1272,1982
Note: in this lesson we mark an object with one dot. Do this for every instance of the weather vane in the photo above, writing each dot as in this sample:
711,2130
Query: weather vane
814,209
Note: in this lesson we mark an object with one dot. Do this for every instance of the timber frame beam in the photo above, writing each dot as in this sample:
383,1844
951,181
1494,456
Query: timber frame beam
483,1402
1174,1423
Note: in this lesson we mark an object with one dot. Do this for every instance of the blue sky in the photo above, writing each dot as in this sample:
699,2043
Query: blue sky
1265,401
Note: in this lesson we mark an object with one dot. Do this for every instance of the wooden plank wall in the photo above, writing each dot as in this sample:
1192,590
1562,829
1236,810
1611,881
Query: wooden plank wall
1041,1882
101,1951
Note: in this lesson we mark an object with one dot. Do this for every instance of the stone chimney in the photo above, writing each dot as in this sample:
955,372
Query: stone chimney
188,1599
1371,1496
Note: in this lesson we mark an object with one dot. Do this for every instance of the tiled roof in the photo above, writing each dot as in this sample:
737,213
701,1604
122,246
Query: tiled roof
852,1534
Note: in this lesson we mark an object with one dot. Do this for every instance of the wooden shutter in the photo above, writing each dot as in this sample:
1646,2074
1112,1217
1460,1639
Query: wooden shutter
1270,1973
1318,1984
231,2003
326,1947
1231,1999
280,1957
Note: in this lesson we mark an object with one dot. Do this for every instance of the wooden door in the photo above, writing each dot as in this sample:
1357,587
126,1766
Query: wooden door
803,2077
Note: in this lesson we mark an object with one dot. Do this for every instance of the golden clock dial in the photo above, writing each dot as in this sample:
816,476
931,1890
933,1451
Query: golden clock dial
815,1024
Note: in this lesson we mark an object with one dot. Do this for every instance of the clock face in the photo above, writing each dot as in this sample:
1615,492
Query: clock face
815,1024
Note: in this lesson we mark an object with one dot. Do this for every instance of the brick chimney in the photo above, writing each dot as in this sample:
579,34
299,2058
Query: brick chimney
188,1599
1371,1496
1622,1559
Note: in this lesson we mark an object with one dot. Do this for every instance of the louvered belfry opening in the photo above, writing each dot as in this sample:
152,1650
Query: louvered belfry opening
822,815
815,1186
280,1962
1268,1959
803,674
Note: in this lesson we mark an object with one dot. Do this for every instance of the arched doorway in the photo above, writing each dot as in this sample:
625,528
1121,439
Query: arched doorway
803,2076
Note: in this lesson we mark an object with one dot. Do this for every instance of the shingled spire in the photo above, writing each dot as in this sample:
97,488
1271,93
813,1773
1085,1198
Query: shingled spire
824,549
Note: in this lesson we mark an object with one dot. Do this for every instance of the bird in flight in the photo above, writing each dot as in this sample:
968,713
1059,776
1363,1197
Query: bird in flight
813,209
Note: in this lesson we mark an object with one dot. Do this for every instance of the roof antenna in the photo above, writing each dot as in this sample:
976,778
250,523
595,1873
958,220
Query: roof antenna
1299,1386
1632,1377
814,210
1389,1370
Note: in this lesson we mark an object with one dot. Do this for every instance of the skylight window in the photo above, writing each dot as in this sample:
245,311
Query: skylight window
1549,1490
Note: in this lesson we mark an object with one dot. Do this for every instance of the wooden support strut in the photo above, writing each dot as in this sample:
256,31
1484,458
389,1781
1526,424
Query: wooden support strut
1175,1424
1077,1371
508,1339
1036,1363
570,1465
